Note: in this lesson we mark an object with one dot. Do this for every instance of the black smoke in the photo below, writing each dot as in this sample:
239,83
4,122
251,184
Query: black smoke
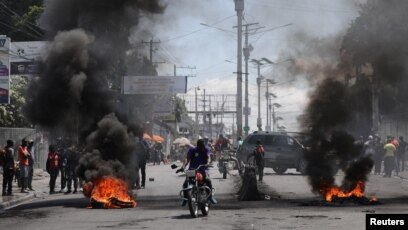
77,92
326,119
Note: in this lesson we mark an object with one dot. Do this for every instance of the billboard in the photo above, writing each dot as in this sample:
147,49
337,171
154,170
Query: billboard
154,84
23,56
4,70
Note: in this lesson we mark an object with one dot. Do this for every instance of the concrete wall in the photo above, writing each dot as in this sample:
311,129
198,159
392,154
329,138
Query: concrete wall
18,134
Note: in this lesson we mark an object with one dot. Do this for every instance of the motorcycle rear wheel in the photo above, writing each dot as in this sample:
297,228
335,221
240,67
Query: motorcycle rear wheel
192,204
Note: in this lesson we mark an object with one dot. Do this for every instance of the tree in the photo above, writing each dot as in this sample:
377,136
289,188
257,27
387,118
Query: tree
377,40
18,19
10,114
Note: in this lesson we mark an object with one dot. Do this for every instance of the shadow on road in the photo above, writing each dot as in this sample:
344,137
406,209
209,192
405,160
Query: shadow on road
182,217
68,203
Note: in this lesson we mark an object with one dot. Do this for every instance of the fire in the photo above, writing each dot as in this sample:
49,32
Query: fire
109,191
335,191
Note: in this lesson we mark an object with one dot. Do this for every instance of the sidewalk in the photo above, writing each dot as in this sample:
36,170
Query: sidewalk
40,185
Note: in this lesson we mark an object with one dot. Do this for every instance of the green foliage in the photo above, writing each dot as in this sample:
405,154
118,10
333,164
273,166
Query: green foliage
182,105
10,114
18,19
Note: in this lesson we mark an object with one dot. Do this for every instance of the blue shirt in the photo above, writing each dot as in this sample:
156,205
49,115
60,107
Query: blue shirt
197,159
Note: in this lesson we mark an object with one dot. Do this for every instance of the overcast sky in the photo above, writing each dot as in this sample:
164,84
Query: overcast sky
184,42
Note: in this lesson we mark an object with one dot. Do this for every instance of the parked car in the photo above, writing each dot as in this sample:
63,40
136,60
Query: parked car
281,151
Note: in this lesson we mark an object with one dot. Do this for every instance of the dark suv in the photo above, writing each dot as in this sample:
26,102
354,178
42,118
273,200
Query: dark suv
281,151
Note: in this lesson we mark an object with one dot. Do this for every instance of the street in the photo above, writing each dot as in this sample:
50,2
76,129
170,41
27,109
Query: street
289,205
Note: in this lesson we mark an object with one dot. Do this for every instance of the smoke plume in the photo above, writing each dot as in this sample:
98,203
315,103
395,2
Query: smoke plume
77,90
340,108
344,69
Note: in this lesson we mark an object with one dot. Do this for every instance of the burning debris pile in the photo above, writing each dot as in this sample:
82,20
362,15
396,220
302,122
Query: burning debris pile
109,192
76,93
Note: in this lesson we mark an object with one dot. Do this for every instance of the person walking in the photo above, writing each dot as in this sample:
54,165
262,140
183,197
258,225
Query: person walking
8,168
72,157
30,149
157,150
401,153
53,167
23,156
259,155
389,158
143,149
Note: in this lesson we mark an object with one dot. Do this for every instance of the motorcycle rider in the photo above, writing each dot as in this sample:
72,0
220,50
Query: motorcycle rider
197,156
221,144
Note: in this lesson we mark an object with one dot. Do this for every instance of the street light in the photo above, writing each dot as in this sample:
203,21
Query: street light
259,79
267,94
196,112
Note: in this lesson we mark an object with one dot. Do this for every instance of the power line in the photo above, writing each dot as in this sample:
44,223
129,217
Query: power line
35,30
196,31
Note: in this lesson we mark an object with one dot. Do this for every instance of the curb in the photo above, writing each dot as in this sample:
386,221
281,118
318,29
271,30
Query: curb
19,200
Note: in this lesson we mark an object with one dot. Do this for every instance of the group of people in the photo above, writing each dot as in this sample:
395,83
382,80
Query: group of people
21,170
392,153
63,161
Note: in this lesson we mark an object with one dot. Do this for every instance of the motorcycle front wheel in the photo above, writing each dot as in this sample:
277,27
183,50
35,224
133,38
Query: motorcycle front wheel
224,173
205,209
192,204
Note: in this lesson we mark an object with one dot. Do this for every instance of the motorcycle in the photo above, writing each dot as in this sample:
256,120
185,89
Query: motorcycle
227,163
197,192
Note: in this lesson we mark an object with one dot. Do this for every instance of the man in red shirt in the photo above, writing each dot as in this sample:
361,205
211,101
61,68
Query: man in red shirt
53,166
259,155
23,156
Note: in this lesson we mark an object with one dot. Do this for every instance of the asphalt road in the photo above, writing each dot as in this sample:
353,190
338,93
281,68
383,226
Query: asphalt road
291,205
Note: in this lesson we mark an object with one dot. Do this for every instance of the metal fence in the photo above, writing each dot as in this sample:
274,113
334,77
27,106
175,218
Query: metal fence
40,149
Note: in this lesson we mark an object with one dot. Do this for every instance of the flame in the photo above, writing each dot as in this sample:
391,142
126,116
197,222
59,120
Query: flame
108,189
335,191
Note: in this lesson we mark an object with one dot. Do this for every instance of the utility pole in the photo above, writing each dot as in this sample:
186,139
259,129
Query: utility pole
196,113
239,8
247,51
151,43
258,81
204,117
210,119
267,128
268,95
